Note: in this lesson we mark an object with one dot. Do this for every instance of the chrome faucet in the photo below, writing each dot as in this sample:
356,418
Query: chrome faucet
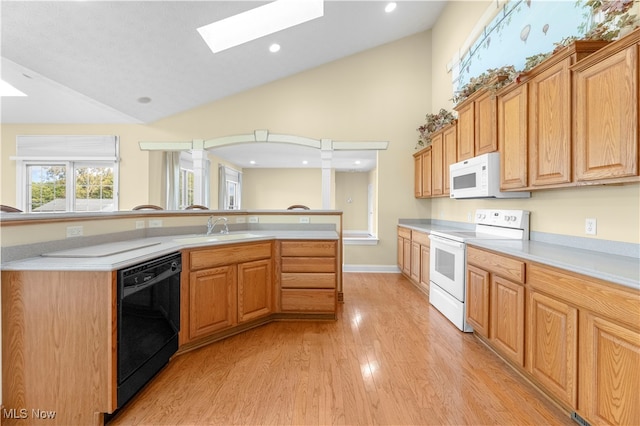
211,224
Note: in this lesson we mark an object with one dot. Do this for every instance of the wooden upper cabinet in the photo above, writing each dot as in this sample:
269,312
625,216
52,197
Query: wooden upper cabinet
466,129
486,139
550,125
550,115
417,175
437,183
477,125
422,173
606,134
513,136
449,154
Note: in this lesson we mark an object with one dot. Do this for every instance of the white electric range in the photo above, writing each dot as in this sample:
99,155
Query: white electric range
448,258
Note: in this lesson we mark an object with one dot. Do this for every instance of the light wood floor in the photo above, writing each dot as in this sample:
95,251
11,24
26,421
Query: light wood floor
390,359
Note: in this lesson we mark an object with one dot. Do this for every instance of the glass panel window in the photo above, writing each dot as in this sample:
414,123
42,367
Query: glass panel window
232,189
47,188
93,188
186,187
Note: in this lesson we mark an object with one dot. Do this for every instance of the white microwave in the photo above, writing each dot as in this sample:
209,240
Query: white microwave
479,177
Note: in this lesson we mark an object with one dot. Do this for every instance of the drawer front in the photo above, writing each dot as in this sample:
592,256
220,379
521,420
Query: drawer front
229,254
308,280
308,248
308,264
404,232
421,238
303,300
505,267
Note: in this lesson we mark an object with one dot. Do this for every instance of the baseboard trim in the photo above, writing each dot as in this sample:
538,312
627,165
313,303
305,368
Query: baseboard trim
371,268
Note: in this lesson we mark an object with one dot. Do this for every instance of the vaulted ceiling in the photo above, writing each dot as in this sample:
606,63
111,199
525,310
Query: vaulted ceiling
97,61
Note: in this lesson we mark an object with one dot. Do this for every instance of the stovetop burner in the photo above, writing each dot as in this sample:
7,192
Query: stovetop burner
492,224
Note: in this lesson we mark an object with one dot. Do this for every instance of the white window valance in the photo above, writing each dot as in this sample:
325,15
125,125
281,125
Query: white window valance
69,148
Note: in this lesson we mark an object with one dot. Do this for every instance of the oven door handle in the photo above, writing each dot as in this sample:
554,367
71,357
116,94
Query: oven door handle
444,241
127,291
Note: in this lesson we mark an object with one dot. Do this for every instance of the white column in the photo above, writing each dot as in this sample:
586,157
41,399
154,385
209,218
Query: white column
326,155
199,156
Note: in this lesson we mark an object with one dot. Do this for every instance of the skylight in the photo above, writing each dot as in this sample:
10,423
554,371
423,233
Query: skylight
259,22
8,90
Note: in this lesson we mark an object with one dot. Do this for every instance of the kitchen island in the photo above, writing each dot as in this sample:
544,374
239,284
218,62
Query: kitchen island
59,306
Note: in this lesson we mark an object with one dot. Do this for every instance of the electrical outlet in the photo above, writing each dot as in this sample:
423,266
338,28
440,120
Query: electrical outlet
155,223
590,226
74,231
304,219
139,224
253,219
241,219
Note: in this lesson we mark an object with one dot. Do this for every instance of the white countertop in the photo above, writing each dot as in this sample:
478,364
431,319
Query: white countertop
623,270
117,255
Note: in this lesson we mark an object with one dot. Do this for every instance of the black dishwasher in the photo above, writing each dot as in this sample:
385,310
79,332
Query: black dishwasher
148,321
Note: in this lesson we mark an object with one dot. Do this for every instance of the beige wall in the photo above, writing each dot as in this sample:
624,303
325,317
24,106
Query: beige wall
281,188
351,198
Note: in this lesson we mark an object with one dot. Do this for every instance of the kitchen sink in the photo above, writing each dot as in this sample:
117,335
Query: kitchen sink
197,239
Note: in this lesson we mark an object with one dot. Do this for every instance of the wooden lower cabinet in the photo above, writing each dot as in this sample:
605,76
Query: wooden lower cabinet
58,346
496,301
212,304
415,261
227,286
413,256
576,337
308,276
584,343
552,328
478,300
507,318
255,289
425,262
609,371
404,250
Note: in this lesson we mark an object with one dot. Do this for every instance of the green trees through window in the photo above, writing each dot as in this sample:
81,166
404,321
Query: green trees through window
91,190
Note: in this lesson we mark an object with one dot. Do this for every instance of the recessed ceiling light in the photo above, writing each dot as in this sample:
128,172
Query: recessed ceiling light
305,162
259,22
357,162
252,162
275,47
8,90
390,7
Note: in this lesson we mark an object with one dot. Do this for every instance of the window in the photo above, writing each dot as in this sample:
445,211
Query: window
185,186
67,173
229,189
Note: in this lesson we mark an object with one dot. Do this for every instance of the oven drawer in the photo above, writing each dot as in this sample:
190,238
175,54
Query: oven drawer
503,266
